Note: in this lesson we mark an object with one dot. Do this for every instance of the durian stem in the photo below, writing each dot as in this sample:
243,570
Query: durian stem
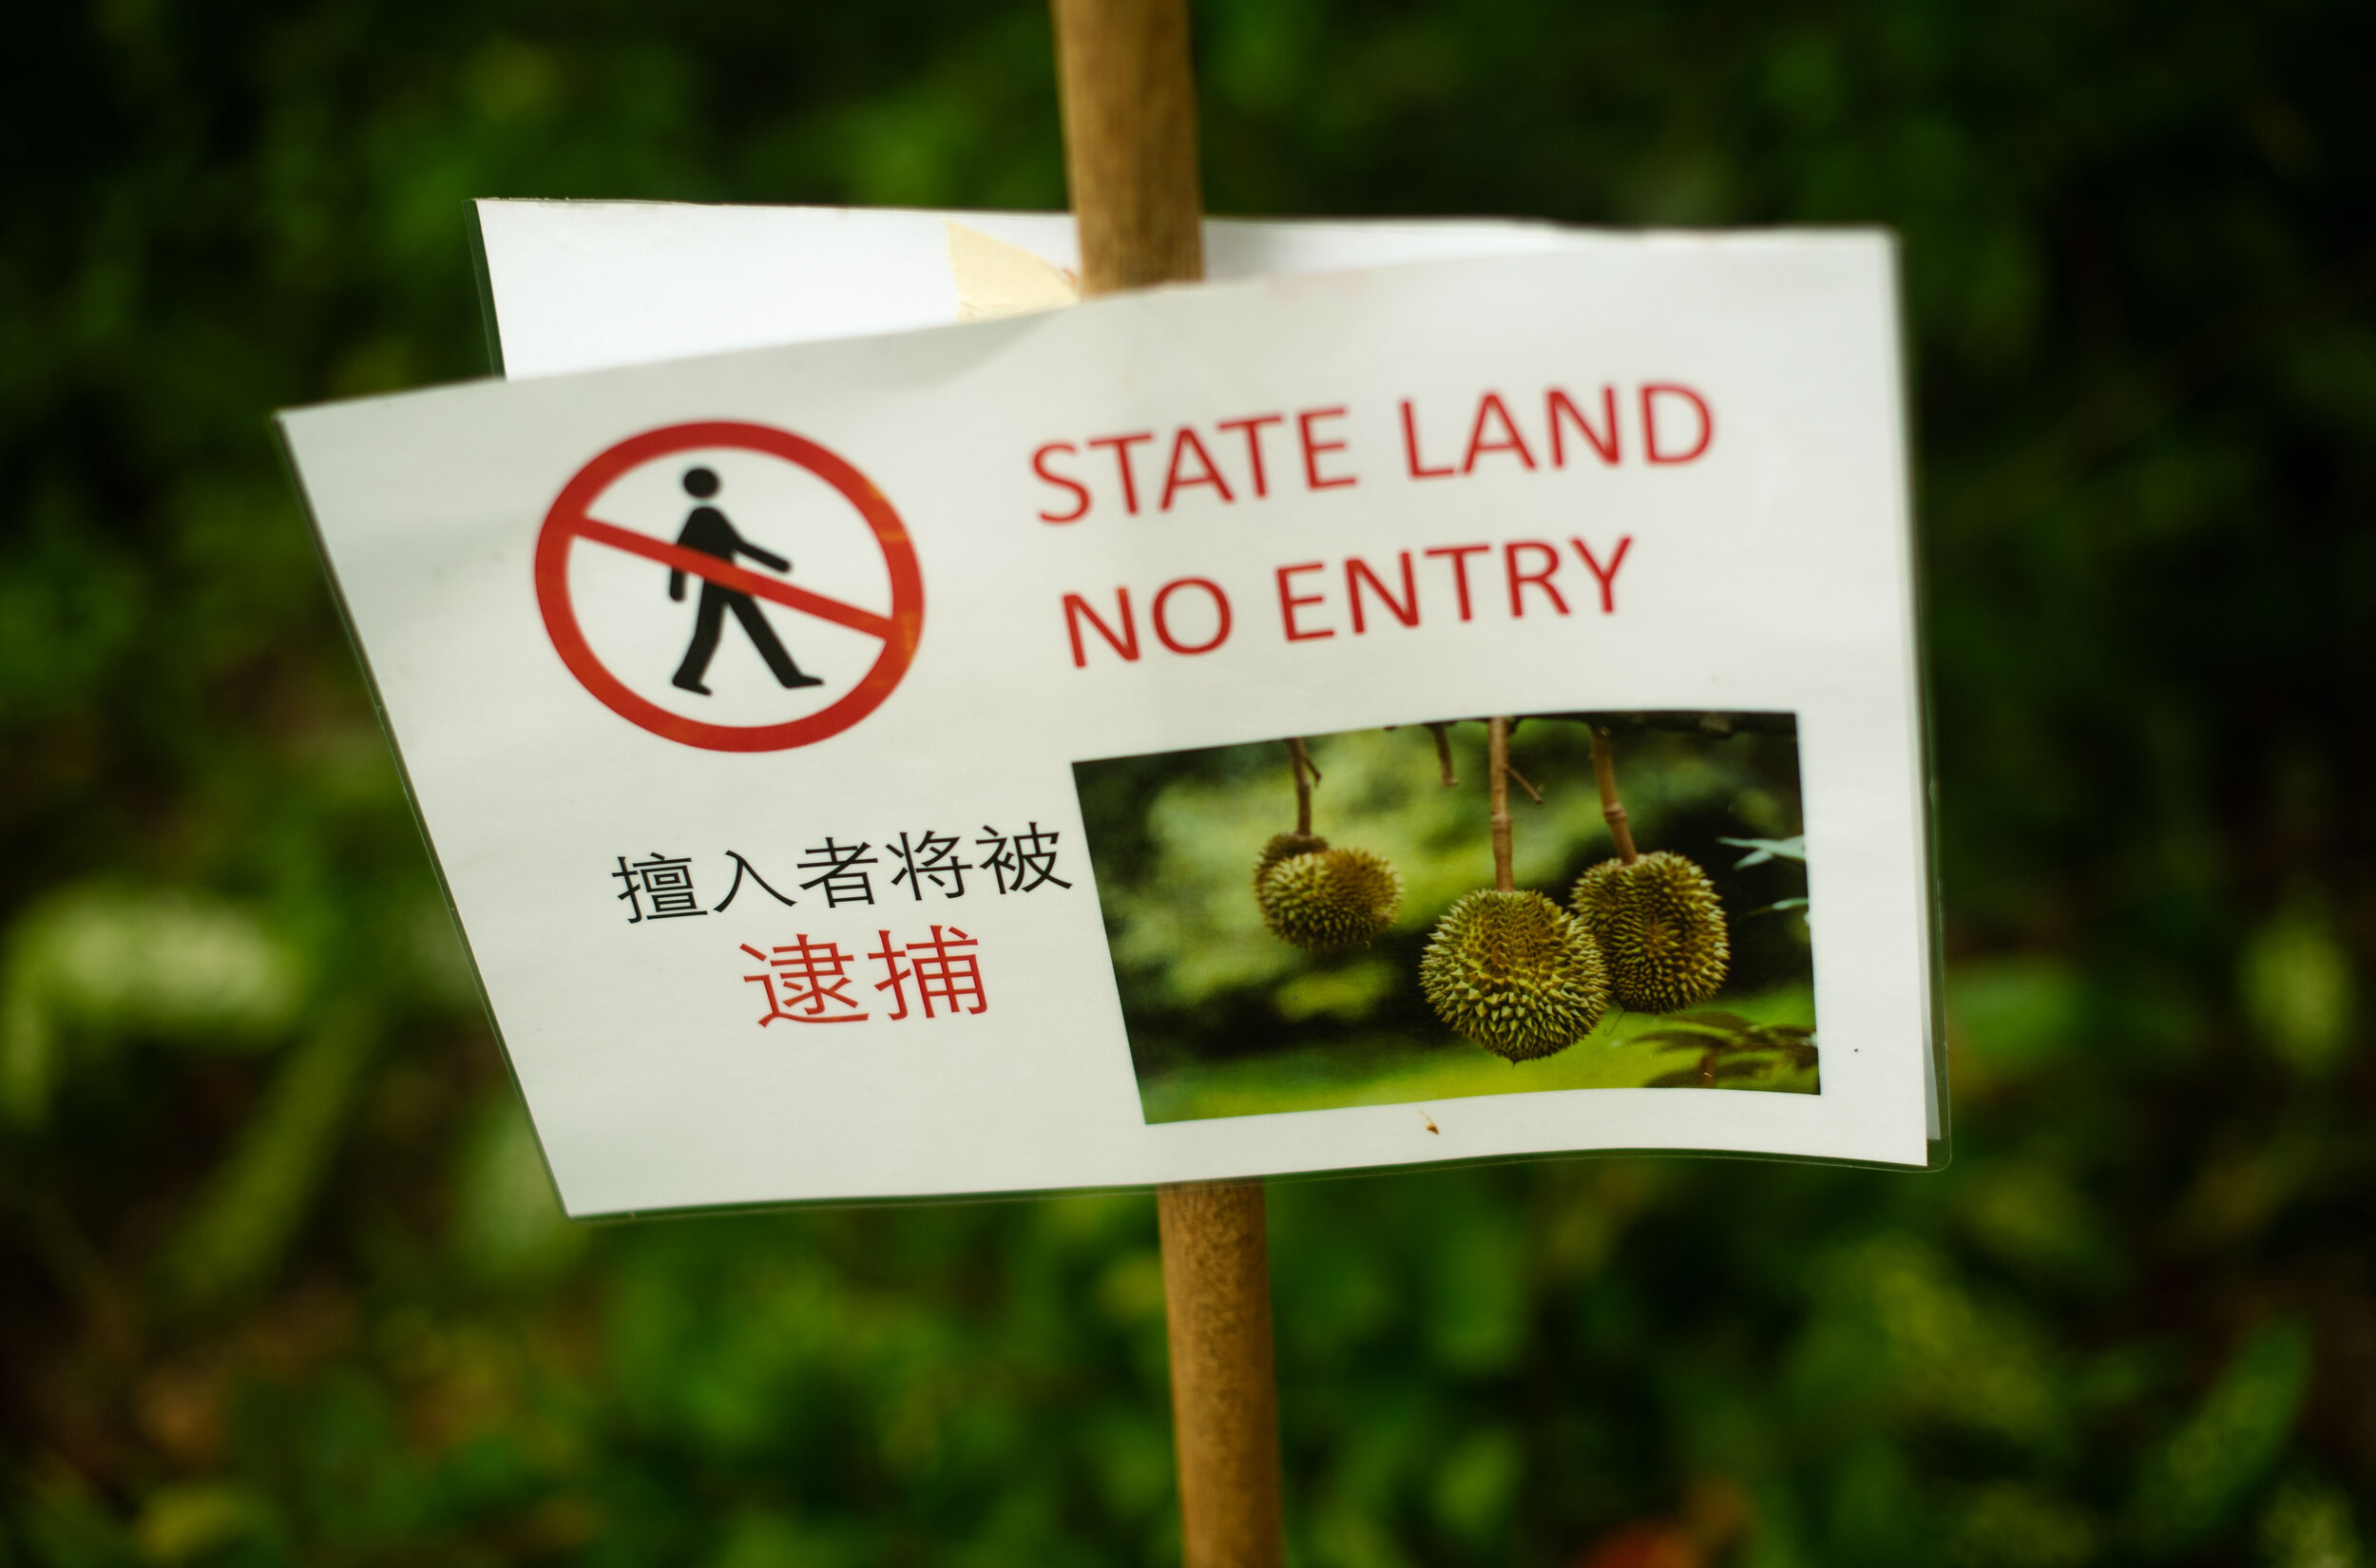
1605,774
1443,734
1497,776
1299,762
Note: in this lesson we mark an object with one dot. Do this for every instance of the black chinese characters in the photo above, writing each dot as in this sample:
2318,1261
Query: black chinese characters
707,531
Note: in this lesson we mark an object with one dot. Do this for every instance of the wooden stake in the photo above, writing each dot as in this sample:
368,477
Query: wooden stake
1216,1292
1130,156
1130,141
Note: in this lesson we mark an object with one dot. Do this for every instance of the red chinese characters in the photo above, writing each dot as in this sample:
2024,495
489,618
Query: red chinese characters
809,981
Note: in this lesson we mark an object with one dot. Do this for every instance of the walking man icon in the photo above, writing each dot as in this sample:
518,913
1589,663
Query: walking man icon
707,531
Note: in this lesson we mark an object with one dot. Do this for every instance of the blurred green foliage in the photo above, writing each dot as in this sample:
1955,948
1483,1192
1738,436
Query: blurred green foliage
1226,1019
280,1280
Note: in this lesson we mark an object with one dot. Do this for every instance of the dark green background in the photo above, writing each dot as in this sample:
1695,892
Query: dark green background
278,1278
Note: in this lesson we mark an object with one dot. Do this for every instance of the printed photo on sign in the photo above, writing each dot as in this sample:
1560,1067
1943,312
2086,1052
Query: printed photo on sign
1312,923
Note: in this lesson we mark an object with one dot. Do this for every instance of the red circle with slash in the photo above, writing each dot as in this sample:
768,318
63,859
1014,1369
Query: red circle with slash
570,521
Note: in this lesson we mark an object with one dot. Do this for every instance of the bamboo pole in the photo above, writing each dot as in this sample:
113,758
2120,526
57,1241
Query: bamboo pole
1216,1298
1130,158
1130,141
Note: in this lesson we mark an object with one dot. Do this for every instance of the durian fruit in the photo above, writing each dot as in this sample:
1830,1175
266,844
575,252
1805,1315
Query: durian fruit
1283,844
1323,900
1515,973
1660,928
1281,847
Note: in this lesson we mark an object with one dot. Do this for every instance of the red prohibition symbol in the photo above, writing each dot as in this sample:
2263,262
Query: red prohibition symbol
569,522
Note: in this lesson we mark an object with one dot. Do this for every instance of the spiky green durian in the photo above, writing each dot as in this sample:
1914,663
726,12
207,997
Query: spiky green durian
1513,972
1283,844
1660,927
1327,900
1281,847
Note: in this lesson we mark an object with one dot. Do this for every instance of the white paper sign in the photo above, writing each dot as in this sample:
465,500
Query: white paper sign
851,761
593,285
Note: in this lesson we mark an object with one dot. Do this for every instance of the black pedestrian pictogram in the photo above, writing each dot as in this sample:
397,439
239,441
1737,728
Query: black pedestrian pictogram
707,531
570,522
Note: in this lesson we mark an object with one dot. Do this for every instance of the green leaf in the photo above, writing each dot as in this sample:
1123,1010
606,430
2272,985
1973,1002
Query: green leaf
1713,1019
249,1211
1763,850
1673,1040
2298,989
2198,1477
96,962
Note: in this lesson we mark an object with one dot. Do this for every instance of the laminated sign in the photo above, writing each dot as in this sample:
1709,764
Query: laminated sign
1453,710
